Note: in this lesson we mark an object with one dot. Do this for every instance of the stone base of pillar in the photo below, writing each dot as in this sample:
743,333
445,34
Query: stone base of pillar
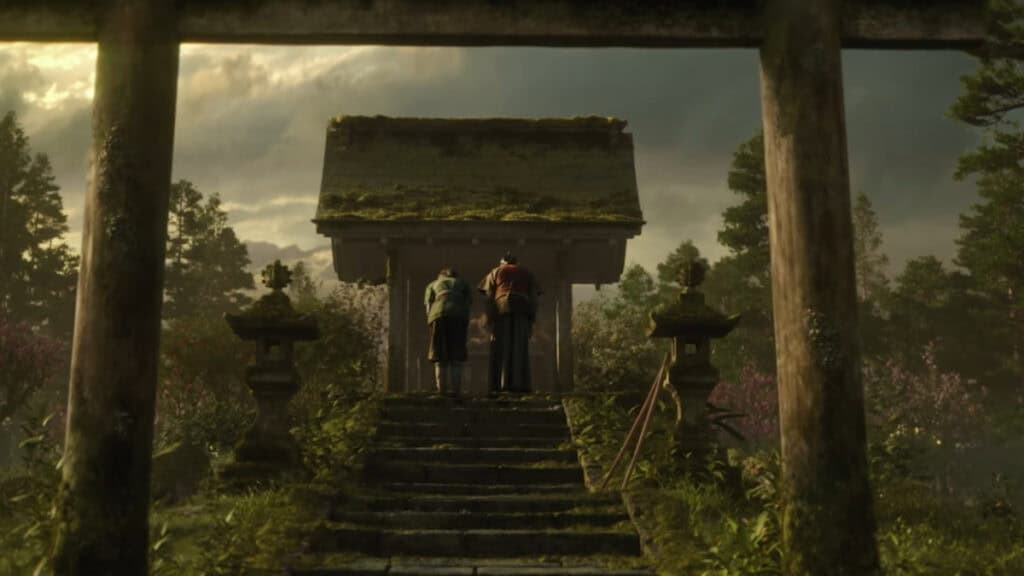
693,447
268,450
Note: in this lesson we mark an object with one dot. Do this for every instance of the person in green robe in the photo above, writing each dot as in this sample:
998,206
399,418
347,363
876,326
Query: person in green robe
448,300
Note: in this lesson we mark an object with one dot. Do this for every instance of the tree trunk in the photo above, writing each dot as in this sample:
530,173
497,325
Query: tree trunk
828,522
103,505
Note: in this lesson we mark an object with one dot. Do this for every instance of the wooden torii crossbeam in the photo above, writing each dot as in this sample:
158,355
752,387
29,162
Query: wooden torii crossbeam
914,24
104,499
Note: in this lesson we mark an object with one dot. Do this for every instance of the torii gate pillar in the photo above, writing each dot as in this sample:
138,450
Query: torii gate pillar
103,507
828,525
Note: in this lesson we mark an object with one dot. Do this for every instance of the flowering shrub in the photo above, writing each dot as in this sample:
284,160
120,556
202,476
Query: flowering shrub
756,395
28,362
920,422
938,406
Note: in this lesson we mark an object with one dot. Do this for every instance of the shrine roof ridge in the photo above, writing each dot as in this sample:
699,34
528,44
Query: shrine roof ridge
591,123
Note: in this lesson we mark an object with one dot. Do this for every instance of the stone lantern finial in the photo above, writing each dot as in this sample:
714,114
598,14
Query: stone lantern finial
276,276
693,274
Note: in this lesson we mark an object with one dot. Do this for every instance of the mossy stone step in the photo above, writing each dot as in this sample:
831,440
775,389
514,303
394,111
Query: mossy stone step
552,416
459,455
438,472
406,520
478,488
486,428
480,503
617,566
501,402
474,441
474,543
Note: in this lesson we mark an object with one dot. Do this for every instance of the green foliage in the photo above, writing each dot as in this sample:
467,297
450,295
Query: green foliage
922,533
610,336
741,282
930,306
206,263
39,271
670,270
223,534
992,232
349,351
202,397
27,522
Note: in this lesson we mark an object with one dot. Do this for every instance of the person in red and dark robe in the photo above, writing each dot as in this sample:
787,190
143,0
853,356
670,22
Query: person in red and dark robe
512,297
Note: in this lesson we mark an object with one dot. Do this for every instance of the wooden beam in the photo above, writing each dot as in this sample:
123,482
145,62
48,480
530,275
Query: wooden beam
103,506
946,24
563,332
398,303
828,525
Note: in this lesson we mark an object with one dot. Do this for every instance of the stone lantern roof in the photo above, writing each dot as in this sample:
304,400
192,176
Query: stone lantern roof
272,316
690,315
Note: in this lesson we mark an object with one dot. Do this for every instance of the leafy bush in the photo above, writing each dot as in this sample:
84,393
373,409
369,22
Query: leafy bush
350,350
27,493
609,334
202,397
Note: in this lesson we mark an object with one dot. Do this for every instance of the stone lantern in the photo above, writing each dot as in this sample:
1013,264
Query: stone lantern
268,449
691,324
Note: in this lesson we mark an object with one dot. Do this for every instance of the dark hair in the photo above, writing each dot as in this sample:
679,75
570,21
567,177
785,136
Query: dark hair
508,258
449,271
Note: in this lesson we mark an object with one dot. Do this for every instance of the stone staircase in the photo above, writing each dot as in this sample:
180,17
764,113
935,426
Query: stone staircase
476,487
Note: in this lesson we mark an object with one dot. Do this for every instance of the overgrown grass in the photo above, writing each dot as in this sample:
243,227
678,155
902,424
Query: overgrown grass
728,523
216,532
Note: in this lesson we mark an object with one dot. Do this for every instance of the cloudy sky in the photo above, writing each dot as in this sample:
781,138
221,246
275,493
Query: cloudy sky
252,120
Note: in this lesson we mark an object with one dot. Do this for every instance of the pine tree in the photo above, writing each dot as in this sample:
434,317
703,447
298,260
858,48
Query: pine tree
991,244
39,271
872,284
870,261
670,271
741,282
206,263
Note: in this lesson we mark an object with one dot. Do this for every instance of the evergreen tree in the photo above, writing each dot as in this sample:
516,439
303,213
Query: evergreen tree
991,244
931,306
39,272
670,271
206,263
872,284
870,261
741,282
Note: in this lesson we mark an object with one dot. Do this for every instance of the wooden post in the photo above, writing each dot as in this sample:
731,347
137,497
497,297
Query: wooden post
103,505
397,302
564,329
828,522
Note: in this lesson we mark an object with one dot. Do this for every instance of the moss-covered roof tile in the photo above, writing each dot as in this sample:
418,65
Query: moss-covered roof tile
508,169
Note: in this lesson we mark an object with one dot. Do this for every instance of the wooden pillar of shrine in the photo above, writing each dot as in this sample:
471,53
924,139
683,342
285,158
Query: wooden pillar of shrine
828,525
398,296
103,505
564,383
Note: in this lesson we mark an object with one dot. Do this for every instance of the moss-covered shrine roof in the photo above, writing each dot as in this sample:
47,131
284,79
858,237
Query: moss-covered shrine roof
571,170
